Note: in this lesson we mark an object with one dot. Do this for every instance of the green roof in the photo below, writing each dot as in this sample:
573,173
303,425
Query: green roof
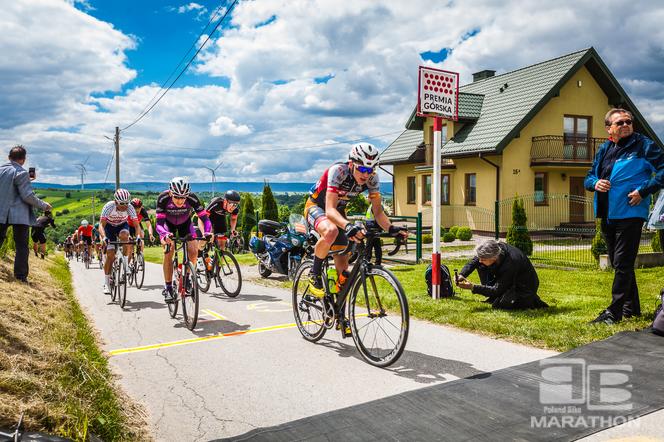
492,111
402,148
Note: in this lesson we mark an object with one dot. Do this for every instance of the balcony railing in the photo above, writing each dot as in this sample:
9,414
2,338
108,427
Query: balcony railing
564,149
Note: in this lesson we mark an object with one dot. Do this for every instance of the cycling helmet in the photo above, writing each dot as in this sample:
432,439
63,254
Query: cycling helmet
179,186
122,196
364,154
96,225
136,202
84,223
232,195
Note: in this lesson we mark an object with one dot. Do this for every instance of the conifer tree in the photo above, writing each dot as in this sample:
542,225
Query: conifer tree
517,233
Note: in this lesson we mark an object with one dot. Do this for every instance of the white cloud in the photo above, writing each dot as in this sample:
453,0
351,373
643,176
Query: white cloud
303,74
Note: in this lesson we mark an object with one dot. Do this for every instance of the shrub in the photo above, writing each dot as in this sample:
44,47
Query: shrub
448,237
65,211
427,238
517,233
68,195
598,246
453,230
464,233
656,243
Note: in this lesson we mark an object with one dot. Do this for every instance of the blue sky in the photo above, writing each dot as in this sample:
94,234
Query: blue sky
281,91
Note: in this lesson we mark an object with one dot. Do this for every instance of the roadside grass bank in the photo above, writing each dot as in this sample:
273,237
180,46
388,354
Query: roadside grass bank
50,365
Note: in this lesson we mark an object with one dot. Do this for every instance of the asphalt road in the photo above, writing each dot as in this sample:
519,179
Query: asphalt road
246,365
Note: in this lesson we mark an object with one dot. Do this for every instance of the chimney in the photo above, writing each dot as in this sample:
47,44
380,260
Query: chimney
481,75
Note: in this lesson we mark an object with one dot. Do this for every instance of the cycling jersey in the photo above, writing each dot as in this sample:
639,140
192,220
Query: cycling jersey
44,221
115,217
339,179
85,231
143,214
218,214
168,214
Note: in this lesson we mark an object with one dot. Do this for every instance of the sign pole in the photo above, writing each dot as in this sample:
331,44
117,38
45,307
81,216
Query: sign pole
435,205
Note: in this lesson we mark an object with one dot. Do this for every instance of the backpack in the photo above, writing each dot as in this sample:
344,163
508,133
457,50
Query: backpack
446,287
658,323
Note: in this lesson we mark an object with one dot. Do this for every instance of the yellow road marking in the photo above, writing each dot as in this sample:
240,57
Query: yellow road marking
215,314
196,340
265,307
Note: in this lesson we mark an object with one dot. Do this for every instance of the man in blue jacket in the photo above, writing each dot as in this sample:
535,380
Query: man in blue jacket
627,169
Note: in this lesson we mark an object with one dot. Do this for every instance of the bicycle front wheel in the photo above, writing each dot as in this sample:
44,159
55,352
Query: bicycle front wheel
379,318
132,272
228,272
307,308
191,299
204,276
139,275
122,282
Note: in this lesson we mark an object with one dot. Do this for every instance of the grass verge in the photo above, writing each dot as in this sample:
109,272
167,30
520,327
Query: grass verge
156,255
50,365
574,296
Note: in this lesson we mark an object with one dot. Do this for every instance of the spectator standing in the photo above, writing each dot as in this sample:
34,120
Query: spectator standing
16,202
626,170
38,237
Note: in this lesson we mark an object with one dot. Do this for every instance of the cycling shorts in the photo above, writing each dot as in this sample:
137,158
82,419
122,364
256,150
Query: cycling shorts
38,236
112,232
181,230
315,214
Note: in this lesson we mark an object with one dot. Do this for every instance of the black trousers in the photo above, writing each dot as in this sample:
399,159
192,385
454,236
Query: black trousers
21,234
622,241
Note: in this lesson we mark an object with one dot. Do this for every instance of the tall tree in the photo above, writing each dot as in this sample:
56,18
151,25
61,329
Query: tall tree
269,208
517,233
247,216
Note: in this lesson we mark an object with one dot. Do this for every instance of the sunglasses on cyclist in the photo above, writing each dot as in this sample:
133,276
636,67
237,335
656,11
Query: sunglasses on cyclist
623,123
364,169
181,198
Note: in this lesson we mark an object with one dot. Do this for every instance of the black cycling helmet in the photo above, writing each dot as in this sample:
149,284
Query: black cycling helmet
232,195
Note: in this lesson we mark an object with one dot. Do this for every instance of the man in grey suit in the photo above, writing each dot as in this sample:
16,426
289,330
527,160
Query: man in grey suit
16,202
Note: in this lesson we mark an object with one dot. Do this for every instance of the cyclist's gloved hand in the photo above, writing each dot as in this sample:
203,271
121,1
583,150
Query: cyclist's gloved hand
207,236
352,230
396,230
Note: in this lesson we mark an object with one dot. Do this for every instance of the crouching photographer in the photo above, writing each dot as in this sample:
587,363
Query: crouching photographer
507,277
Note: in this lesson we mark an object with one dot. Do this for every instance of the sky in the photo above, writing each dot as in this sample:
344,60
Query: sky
283,87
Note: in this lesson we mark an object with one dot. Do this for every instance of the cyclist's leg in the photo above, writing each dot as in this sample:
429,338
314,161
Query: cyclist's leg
219,228
129,249
193,247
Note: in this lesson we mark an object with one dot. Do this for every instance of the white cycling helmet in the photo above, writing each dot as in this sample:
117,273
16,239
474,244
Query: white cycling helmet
180,186
364,154
84,223
122,197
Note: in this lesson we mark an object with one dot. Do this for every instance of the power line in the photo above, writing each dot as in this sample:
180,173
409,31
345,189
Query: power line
193,45
143,114
262,149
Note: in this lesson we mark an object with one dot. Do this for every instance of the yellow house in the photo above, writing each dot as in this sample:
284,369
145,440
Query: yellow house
532,133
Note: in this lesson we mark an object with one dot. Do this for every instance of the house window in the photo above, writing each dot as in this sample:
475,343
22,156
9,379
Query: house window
429,146
541,184
445,190
426,189
411,190
471,189
576,135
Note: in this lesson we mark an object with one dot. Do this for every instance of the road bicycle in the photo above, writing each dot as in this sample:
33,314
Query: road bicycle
370,305
220,266
87,259
235,244
137,265
184,283
118,279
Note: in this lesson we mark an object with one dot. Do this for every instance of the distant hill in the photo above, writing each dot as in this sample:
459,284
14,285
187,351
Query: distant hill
252,187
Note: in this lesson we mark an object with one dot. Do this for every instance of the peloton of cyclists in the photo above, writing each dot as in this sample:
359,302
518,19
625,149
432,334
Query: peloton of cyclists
174,209
325,208
116,218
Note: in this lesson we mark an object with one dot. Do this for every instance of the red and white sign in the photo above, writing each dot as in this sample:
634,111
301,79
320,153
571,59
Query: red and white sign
438,93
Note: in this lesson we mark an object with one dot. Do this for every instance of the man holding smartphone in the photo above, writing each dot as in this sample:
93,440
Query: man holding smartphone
16,202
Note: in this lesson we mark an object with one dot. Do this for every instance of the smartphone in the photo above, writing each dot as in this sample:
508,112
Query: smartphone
31,172
456,276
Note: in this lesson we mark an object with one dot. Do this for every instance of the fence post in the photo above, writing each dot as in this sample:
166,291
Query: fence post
418,238
496,219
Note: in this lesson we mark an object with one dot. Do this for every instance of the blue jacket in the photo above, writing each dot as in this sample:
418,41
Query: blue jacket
633,170
16,196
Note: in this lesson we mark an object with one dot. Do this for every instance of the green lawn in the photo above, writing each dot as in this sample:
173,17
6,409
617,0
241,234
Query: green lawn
155,254
575,297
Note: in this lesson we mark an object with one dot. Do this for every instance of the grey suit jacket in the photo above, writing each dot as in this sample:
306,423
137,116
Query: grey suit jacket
16,195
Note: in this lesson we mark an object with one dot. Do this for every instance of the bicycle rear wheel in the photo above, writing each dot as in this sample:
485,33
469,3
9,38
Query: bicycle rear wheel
139,273
86,258
173,305
113,282
228,274
190,301
379,318
307,308
122,282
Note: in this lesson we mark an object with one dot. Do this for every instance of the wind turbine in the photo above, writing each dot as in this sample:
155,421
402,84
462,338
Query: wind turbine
84,172
214,176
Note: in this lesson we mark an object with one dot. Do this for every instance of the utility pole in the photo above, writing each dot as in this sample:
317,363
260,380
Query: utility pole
117,157
93,208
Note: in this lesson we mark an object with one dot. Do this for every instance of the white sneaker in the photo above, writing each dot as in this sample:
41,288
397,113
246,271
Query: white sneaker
106,290
200,265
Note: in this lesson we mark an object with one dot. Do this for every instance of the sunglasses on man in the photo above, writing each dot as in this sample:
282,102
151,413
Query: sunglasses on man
364,169
623,123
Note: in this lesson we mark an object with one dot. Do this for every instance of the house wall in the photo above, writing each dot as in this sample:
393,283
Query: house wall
401,174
